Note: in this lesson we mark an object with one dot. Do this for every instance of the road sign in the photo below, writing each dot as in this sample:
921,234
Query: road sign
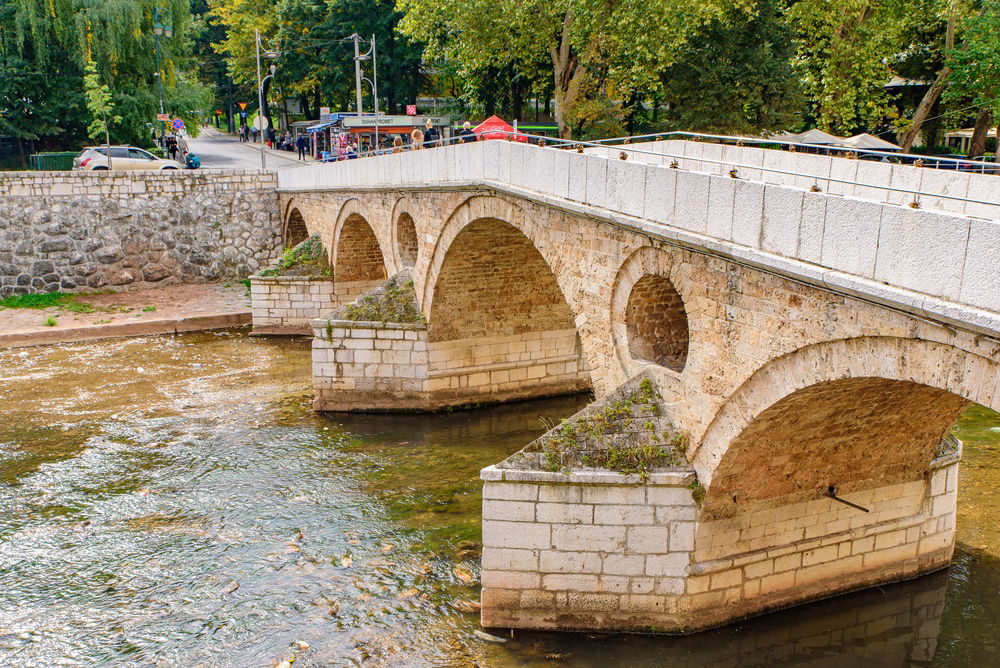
324,111
411,110
178,124
260,123
163,117
242,105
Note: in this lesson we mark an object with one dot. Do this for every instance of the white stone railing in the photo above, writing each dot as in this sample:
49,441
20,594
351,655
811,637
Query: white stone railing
935,263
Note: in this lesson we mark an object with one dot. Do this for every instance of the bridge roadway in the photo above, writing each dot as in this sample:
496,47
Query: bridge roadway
808,333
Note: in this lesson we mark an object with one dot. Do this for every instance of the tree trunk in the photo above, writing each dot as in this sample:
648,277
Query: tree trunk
983,122
20,151
565,68
517,99
924,108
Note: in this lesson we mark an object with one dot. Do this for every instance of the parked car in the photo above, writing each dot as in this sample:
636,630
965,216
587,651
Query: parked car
95,158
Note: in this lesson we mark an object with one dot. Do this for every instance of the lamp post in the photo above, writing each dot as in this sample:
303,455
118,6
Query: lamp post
163,27
260,96
370,55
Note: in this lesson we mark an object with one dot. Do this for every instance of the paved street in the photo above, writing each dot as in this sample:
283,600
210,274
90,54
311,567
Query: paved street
221,151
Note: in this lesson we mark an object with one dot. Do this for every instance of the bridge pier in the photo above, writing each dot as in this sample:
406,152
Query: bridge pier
605,551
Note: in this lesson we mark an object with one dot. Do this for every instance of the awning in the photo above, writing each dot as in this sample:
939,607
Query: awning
495,127
320,126
867,142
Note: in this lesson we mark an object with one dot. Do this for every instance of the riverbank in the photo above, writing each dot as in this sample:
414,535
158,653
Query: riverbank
168,310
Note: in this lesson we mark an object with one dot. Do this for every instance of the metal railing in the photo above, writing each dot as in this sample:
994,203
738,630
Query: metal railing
733,170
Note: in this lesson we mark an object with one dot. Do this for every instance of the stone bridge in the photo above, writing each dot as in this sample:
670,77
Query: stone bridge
812,327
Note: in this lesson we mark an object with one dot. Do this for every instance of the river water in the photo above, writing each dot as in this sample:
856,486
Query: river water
173,501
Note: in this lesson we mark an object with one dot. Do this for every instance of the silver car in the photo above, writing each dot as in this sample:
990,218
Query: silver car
94,158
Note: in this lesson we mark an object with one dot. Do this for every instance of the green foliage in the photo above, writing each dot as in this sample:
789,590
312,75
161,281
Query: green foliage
49,46
396,301
308,258
735,75
975,64
98,100
619,436
40,300
697,492
50,322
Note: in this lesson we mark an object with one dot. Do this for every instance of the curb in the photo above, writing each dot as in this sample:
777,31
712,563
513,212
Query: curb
164,326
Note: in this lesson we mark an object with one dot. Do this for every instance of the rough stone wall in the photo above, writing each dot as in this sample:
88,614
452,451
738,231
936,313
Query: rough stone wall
287,304
74,231
406,240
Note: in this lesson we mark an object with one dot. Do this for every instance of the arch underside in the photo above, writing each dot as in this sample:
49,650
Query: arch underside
853,434
359,264
499,326
295,229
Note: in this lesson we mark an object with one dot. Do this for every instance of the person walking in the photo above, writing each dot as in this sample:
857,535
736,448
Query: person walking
300,144
172,147
183,149
416,139
253,135
431,135
466,134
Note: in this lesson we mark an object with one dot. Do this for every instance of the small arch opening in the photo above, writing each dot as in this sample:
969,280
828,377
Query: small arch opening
406,240
656,323
295,229
358,257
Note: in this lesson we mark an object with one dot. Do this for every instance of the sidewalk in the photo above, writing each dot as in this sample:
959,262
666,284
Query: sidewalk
168,310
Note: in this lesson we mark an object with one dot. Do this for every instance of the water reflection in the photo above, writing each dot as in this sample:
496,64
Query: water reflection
197,511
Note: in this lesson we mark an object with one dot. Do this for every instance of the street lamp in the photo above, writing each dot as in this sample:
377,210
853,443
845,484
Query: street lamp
358,77
163,27
260,95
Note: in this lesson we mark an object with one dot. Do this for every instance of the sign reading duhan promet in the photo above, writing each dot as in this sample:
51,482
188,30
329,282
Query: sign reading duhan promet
392,121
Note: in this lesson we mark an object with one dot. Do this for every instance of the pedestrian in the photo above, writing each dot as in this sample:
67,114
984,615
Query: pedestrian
253,135
300,144
183,149
431,135
416,139
172,146
466,134
397,144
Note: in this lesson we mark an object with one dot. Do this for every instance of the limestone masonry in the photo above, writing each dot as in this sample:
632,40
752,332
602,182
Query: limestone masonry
73,231
810,337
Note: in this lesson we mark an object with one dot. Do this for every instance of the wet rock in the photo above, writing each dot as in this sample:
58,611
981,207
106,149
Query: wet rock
463,605
488,637
463,574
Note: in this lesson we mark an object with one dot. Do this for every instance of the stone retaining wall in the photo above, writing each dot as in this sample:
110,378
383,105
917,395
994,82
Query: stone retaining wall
75,231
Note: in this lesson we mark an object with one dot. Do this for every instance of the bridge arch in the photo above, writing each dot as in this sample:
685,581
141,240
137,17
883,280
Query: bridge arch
499,325
294,230
357,258
855,413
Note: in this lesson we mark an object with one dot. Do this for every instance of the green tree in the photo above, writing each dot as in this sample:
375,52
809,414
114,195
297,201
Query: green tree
99,105
597,50
975,72
735,75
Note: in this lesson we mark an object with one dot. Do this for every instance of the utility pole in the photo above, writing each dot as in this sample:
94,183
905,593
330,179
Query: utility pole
375,89
260,104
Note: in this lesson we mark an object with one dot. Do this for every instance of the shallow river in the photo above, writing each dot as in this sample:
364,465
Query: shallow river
173,501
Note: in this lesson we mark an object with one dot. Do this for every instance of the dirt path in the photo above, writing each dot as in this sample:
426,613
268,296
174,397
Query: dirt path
179,308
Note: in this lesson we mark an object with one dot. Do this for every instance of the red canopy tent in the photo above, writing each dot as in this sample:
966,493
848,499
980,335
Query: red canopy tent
495,127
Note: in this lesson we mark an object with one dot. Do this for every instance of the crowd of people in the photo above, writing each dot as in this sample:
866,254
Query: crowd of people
429,137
